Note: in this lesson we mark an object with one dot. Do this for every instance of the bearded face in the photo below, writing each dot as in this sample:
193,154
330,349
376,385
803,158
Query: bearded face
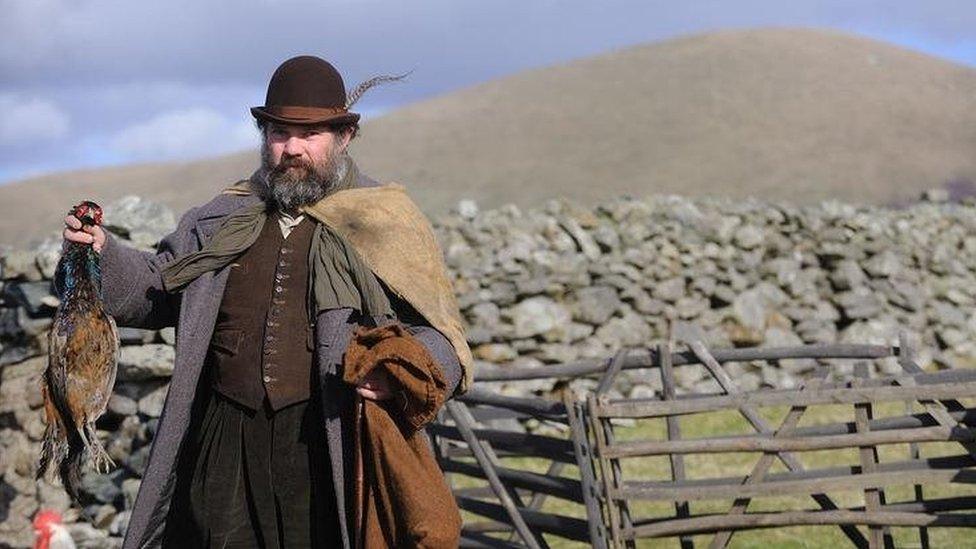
297,180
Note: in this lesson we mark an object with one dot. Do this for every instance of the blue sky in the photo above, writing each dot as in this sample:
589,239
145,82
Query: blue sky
87,83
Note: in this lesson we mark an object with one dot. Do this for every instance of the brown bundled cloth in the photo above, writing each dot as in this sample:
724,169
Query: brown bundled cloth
401,497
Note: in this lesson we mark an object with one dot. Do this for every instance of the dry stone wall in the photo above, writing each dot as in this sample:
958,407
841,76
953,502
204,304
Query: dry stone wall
552,285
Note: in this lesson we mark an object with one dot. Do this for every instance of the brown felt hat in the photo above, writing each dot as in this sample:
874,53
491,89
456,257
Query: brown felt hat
305,90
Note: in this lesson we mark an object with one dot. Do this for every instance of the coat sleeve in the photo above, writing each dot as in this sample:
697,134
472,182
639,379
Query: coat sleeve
132,285
442,351
437,345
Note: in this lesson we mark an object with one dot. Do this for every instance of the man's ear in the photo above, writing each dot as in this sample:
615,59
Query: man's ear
345,137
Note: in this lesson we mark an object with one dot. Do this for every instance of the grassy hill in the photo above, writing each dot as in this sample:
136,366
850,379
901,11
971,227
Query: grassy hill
787,114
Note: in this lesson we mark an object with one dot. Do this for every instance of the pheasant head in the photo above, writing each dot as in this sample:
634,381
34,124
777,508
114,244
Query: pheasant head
88,212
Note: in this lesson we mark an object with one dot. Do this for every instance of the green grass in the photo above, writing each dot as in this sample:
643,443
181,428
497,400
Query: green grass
741,463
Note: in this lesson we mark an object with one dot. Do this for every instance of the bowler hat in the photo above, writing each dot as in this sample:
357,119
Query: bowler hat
305,90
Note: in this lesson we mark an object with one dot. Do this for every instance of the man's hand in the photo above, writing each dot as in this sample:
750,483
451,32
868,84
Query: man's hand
376,386
91,234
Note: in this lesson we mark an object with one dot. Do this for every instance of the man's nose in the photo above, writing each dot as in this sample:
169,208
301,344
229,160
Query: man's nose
293,146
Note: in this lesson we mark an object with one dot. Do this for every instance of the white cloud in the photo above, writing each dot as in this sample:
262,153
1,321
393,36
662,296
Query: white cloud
187,133
27,119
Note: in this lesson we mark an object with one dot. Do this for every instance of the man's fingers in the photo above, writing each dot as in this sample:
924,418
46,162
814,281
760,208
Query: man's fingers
373,395
78,236
72,221
367,393
375,386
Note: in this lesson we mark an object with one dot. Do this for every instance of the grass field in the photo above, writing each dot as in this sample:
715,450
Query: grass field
720,465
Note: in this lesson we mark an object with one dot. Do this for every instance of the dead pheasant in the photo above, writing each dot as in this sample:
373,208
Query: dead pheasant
83,357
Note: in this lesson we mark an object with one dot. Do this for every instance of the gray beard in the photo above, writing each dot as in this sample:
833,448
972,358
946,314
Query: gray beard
287,190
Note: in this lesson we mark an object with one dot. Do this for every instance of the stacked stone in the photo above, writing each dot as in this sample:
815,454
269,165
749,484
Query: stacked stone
564,283
552,285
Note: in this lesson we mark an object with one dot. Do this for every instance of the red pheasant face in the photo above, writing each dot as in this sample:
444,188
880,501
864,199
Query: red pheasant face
88,213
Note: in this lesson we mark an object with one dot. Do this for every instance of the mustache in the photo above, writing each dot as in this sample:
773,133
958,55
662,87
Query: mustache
287,163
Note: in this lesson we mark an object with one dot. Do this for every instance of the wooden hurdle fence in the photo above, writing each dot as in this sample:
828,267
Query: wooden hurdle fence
578,462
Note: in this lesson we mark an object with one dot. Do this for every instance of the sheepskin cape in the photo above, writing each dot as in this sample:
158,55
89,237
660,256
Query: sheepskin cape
397,242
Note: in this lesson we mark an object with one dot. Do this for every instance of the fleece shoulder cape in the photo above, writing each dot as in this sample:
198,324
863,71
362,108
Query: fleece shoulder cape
398,244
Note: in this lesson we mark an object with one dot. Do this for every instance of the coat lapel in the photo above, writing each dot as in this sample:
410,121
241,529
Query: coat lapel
198,314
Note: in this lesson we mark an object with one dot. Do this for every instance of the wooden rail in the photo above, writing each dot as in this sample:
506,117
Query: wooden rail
946,419
518,483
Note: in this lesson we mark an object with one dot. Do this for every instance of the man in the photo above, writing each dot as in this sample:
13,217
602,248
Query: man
265,284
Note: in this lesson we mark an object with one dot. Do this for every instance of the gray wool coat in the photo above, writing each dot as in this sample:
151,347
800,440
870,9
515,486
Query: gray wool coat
134,295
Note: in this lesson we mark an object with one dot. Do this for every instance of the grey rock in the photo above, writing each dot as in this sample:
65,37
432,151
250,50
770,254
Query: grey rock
596,304
688,332
557,353
669,290
629,330
723,295
750,309
141,362
122,405
120,522
951,337
10,329
577,331
535,285
958,297
779,337
135,336
18,353
168,335
495,352
690,307
902,294
587,246
687,376
478,335
87,536
20,265
884,264
140,220
859,303
130,489
503,293
872,332
103,517
35,297
100,486
33,326
47,256
138,460
152,404
538,315
606,237
641,302
947,314
467,208
485,313
936,195
786,270
749,236
704,284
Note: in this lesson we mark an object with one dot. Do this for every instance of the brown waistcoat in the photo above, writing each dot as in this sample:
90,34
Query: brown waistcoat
262,340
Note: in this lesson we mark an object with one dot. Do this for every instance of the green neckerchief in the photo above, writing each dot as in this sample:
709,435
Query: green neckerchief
338,276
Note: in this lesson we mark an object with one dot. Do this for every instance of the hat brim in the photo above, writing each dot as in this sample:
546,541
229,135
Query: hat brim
310,119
